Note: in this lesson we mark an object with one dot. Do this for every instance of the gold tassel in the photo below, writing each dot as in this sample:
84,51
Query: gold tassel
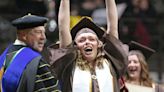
1,75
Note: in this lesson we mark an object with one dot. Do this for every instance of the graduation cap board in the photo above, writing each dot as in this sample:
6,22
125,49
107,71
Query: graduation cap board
29,21
146,51
86,23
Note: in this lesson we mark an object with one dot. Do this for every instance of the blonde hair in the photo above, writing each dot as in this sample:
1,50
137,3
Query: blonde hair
84,65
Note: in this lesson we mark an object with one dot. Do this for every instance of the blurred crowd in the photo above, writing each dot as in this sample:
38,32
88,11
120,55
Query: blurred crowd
138,19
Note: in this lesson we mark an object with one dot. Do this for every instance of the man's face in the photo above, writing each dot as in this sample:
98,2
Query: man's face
36,38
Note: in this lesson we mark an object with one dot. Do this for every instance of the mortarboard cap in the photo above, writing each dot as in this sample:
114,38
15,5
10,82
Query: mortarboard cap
29,21
146,51
86,23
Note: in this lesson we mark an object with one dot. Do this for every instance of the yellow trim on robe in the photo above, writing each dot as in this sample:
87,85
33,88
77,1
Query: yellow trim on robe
90,85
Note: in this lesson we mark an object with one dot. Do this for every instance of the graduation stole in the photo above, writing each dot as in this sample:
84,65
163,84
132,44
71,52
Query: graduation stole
83,79
11,77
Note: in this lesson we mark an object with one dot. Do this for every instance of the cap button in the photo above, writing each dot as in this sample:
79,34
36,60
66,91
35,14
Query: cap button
29,14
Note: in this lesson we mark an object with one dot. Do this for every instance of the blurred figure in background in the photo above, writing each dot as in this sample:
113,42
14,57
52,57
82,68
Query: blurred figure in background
37,7
138,22
137,69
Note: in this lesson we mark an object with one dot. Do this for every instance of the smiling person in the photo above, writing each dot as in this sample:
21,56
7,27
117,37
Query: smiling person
21,64
137,69
89,59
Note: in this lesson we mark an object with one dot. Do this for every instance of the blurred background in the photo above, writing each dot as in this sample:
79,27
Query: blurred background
139,20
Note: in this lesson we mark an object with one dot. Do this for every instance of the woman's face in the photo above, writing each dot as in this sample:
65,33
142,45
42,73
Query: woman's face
87,43
134,67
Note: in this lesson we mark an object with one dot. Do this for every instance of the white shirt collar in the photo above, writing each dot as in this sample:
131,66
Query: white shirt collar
19,42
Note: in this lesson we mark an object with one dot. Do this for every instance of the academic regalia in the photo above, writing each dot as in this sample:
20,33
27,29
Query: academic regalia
35,69
63,64
147,53
34,75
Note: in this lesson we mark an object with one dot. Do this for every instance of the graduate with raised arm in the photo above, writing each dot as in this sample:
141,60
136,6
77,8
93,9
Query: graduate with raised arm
64,21
89,59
